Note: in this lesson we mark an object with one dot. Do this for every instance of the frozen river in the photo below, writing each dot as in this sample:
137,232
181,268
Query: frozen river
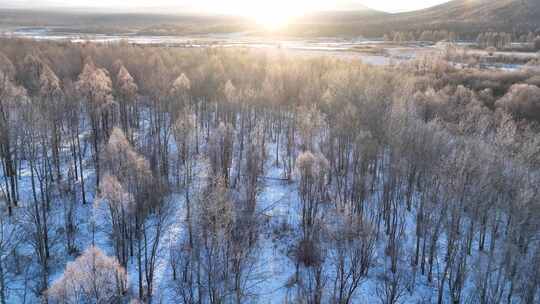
374,52
369,51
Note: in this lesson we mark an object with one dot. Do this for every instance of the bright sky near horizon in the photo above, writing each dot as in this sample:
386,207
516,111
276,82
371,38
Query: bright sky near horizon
272,14
242,7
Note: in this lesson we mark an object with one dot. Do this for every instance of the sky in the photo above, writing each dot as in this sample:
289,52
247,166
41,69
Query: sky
238,7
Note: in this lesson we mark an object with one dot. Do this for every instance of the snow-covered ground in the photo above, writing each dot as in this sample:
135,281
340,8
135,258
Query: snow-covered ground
278,203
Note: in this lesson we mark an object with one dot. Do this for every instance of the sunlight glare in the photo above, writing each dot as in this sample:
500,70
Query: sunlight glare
272,15
272,19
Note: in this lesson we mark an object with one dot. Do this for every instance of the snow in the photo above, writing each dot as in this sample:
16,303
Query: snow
278,203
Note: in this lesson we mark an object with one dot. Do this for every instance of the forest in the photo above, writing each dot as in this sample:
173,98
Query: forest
134,174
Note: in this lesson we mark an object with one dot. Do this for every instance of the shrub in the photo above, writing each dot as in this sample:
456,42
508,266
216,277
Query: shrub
522,101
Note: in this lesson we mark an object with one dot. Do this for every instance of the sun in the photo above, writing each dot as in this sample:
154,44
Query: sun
272,15
274,18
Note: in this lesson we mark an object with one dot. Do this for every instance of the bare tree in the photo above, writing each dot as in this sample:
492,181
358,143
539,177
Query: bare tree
391,287
147,211
120,206
91,278
312,171
95,85
126,89
10,95
9,241
221,152
352,255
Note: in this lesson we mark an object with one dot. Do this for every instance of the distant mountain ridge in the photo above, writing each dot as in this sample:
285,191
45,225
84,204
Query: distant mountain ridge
461,16
486,14
349,18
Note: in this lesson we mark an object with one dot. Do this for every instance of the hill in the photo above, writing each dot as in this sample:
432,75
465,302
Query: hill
78,21
507,15
463,16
